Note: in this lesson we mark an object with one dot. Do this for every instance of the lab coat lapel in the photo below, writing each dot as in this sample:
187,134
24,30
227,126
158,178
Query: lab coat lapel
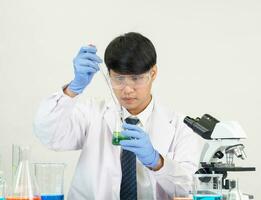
162,131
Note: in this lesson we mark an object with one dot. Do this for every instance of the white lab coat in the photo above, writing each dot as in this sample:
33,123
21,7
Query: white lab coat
62,123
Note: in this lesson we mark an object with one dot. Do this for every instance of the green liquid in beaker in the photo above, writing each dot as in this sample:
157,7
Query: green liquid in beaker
117,137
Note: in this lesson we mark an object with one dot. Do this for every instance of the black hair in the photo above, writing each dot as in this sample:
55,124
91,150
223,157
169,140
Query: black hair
131,53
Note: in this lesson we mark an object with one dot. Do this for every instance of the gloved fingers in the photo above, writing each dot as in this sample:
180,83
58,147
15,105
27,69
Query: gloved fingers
90,56
132,134
132,143
132,127
132,149
86,64
89,48
86,70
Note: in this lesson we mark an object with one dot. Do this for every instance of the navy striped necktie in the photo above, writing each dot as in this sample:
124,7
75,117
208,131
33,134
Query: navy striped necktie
128,167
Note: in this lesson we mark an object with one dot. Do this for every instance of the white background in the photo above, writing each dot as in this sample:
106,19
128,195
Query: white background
208,61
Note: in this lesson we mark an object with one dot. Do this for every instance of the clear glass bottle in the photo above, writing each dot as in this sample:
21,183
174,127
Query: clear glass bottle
25,186
234,193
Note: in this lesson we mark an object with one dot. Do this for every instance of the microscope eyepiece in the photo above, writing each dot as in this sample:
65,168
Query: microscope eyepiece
202,126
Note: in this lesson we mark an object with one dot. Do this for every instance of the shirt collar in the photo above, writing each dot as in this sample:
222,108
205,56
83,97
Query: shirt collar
144,115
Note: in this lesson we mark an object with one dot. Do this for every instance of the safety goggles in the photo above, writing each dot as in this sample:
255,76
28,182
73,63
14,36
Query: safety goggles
134,81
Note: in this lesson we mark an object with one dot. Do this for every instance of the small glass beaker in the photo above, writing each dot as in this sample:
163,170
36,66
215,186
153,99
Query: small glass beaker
117,136
234,193
207,187
50,178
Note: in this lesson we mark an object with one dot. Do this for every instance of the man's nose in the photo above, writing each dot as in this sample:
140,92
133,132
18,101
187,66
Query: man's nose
127,89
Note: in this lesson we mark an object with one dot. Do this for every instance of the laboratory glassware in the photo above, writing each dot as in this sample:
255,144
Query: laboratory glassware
16,152
234,193
24,186
117,136
50,178
207,187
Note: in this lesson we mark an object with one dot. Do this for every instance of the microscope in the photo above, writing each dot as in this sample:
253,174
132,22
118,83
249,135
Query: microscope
223,144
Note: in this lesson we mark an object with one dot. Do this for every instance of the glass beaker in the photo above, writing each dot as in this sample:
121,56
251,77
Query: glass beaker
117,136
207,187
25,186
50,178
234,193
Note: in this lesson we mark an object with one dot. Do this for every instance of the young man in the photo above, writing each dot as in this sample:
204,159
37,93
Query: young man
158,160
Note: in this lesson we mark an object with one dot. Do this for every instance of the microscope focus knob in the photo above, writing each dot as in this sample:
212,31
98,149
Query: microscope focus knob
219,155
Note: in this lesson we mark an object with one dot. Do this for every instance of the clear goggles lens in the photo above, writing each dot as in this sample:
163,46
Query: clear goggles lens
135,81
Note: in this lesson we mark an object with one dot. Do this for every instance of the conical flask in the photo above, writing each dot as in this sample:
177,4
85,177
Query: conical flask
25,186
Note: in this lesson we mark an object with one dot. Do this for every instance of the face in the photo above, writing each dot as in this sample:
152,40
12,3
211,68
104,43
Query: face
133,92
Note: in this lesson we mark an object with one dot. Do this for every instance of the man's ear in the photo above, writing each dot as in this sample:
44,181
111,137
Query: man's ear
154,71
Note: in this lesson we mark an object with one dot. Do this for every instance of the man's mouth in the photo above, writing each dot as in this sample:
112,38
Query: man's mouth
128,100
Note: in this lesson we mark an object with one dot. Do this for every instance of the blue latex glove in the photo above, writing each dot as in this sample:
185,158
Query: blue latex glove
140,145
85,66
